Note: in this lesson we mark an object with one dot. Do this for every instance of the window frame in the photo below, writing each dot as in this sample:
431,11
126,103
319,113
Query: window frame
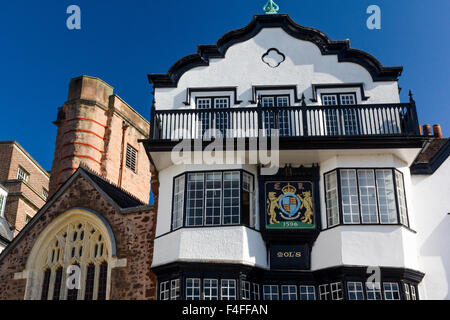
241,173
136,152
341,221
342,125
26,174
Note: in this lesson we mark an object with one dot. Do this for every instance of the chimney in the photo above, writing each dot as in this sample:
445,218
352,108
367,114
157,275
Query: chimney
427,130
437,131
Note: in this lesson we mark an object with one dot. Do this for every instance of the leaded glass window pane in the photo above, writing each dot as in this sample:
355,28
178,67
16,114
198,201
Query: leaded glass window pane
332,199
401,198
270,292
349,196
195,198
231,198
178,202
367,194
228,289
288,292
192,289
213,199
307,293
386,197
210,289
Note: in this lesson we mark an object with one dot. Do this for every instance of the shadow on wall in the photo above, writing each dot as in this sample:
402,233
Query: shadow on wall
437,246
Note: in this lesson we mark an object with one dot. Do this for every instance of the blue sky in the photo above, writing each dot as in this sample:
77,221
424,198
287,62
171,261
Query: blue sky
122,41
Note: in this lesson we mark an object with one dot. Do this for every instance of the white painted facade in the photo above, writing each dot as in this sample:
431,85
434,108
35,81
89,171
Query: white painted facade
431,202
420,247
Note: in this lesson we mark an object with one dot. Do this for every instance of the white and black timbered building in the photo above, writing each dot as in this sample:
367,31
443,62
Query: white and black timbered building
359,206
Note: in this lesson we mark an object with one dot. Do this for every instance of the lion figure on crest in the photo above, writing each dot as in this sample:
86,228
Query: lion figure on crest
307,204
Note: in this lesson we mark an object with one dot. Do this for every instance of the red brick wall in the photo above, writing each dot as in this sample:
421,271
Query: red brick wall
134,233
11,157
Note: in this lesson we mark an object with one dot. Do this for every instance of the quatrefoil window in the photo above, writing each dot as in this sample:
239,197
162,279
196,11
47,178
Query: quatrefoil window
273,58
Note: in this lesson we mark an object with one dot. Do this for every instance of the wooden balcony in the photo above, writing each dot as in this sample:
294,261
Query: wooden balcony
350,121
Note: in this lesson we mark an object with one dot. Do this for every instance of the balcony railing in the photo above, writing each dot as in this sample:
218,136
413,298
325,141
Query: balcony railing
299,121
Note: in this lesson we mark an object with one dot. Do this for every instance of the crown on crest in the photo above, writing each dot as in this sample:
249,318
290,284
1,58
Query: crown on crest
289,189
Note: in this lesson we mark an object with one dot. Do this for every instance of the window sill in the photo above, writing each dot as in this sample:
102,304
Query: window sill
371,224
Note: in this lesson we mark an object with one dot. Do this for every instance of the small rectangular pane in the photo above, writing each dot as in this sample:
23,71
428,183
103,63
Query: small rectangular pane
231,198
195,199
288,292
373,291
270,292
391,291
246,290
386,197
192,289
178,203
210,289
332,199
355,291
349,197
228,289
401,198
175,289
367,195
213,198
307,293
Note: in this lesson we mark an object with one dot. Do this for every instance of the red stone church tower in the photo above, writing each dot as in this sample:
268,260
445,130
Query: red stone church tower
100,130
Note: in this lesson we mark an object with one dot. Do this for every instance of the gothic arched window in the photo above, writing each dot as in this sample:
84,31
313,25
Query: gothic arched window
71,260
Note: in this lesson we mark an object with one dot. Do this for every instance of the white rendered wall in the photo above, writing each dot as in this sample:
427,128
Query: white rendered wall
431,200
304,66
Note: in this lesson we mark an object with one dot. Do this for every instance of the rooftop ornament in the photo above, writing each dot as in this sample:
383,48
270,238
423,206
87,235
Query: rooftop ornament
271,7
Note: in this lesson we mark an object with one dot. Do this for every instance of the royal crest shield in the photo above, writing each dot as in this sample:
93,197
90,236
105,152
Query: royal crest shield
289,205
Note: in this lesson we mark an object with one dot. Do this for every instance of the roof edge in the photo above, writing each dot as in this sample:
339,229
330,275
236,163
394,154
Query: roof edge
326,45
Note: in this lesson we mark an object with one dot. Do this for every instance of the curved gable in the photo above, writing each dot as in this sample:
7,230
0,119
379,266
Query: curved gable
327,47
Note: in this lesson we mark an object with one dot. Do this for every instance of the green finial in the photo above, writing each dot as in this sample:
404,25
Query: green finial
271,7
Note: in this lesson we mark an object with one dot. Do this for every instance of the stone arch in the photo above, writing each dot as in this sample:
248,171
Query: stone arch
81,237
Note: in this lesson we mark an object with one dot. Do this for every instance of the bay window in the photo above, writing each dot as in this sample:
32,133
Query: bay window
216,198
365,196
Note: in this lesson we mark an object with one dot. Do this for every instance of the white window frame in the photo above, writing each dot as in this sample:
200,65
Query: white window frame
310,292
373,291
246,290
272,292
413,292
175,289
227,286
407,293
332,196
210,289
22,174
255,291
178,202
347,200
336,291
355,290
324,292
391,288
195,284
291,293
164,291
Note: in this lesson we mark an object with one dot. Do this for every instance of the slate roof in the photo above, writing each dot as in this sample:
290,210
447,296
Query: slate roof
431,157
118,195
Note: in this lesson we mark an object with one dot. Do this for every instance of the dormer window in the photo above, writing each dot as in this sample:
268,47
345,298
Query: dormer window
272,117
218,121
340,121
